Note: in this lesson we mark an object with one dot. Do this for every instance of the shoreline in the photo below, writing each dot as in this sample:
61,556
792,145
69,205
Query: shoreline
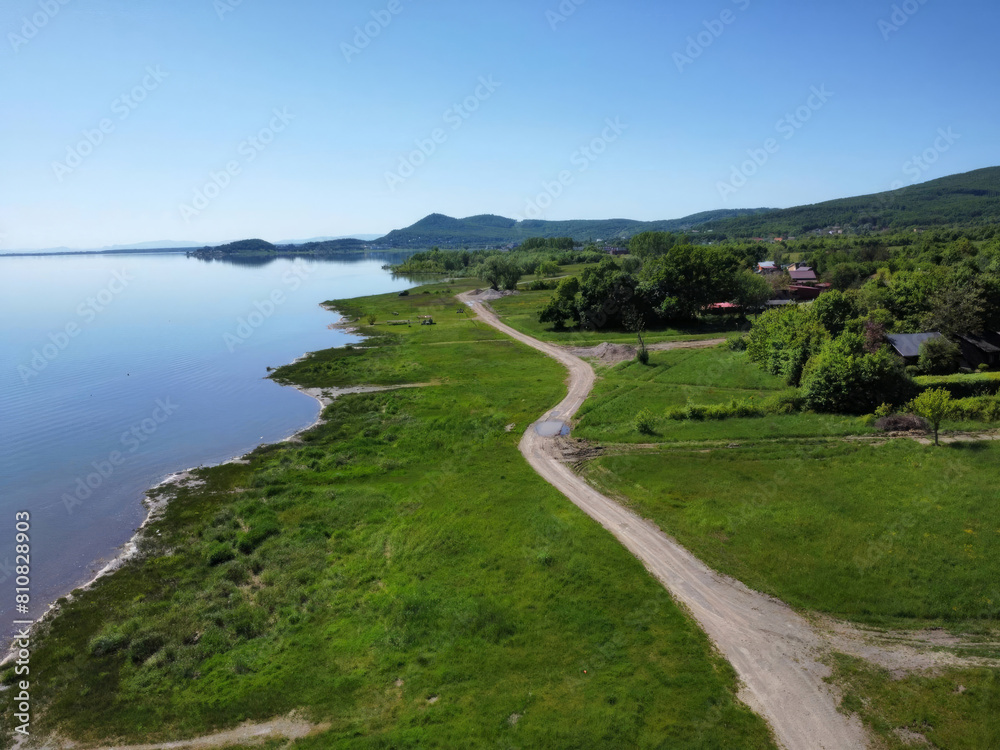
156,499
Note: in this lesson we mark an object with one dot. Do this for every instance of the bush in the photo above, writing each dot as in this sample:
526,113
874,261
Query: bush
219,553
259,531
964,386
885,410
939,357
737,343
902,423
645,422
146,646
108,643
642,356
695,412
843,379
983,367
981,409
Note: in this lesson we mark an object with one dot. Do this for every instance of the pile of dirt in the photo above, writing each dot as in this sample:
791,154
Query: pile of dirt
488,295
607,354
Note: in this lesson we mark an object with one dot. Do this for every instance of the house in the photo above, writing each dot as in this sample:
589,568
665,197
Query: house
907,345
802,274
767,266
804,293
981,349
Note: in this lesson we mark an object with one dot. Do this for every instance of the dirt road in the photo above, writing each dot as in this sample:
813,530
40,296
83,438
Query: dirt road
773,649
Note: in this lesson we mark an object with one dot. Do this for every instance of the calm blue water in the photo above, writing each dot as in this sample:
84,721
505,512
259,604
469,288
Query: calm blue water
116,371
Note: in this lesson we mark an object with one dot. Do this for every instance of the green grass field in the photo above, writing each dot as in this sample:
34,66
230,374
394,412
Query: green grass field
401,574
704,377
955,709
521,313
894,533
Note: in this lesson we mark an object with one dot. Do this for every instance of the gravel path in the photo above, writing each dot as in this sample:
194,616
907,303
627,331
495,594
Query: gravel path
773,649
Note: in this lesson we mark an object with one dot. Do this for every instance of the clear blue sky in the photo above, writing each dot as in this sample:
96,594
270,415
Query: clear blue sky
325,172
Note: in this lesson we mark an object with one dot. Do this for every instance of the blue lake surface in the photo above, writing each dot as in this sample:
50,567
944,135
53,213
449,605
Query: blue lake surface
116,371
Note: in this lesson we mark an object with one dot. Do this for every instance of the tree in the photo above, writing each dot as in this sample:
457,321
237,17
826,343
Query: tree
833,310
608,297
547,268
844,379
651,244
939,357
371,319
752,291
934,405
562,306
956,310
500,271
784,339
681,283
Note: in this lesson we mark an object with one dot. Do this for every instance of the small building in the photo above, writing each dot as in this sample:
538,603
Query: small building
981,349
768,266
802,275
804,293
907,345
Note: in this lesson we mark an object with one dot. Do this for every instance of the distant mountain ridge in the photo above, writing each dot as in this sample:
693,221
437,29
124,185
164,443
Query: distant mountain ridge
488,229
962,200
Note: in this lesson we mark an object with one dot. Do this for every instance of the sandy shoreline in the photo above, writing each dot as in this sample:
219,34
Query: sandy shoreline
158,496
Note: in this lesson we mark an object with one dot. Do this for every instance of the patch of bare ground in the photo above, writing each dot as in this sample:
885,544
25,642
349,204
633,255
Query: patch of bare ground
612,354
289,728
901,652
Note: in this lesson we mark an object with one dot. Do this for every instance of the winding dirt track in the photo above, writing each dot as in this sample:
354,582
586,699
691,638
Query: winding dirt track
773,649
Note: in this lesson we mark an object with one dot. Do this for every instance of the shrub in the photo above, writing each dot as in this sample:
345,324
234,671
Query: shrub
146,646
902,423
844,379
108,643
259,531
982,409
964,386
645,422
219,553
983,367
939,357
884,410
737,343
642,356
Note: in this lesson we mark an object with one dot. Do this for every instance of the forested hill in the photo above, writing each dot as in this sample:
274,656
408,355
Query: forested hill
963,200
478,231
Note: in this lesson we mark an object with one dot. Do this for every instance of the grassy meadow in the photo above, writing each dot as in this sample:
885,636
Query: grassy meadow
954,709
893,533
521,313
400,573
705,377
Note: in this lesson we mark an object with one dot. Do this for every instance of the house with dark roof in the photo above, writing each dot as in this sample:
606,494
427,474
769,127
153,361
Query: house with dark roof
802,275
981,349
907,345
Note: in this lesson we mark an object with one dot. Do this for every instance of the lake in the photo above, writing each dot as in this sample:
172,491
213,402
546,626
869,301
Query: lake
119,370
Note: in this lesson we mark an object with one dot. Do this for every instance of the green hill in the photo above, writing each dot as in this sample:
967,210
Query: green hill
479,231
967,200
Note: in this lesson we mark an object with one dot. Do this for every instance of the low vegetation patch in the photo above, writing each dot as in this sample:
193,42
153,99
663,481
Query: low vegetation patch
876,533
955,709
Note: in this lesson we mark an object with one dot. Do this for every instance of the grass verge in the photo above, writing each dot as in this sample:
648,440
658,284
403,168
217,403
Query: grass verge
955,709
875,533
